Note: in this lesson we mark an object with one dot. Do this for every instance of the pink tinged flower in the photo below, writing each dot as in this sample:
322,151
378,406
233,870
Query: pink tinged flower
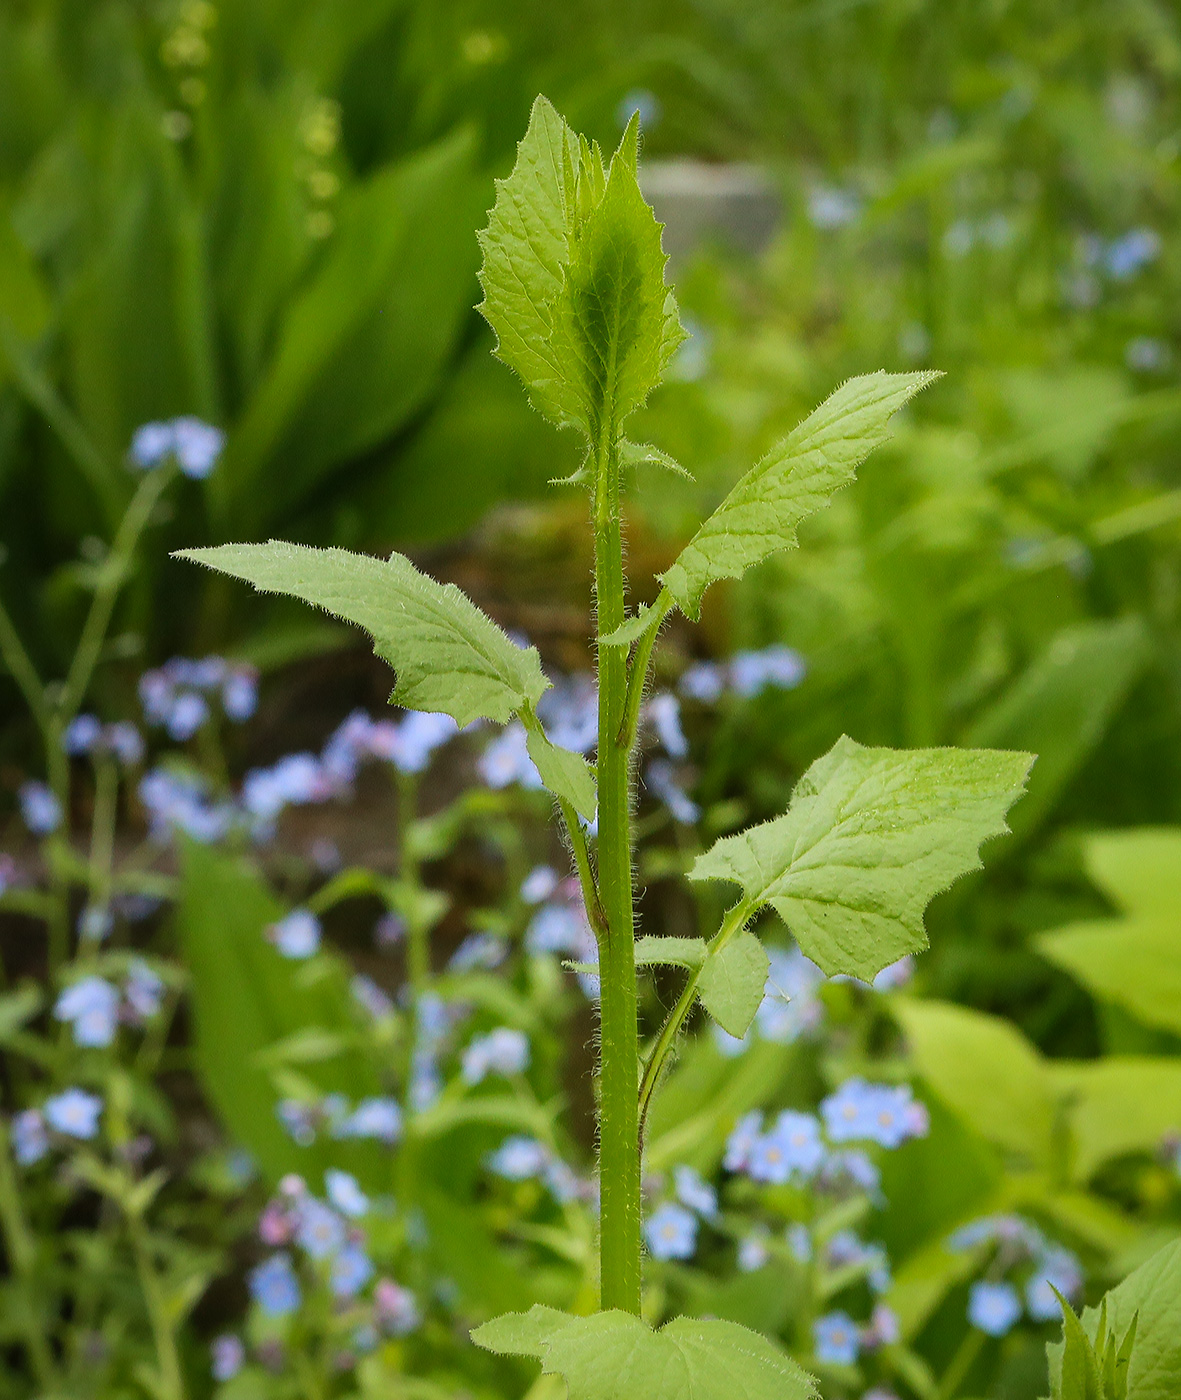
395,1308
276,1225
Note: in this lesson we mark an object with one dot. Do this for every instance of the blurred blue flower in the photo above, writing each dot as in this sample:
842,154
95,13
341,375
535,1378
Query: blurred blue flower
506,761
792,1146
671,1232
40,809
695,1192
830,207
95,923
704,681
559,928
519,1159
503,1051
297,935
660,780
753,1252
30,1141
345,1193
373,998
741,1142
775,666
376,1118
663,712
228,1356
125,741
143,990
478,950
835,1340
1132,252
799,1241
195,445
239,694
81,735
881,1113
790,1007
188,713
74,1112
91,1008
993,1307
419,734
640,101
319,1230
569,711
539,884
274,1287
1057,1269
351,1271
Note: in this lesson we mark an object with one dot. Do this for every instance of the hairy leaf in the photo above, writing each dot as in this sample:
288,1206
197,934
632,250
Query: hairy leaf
870,837
448,655
573,277
733,981
566,774
794,480
665,951
612,1354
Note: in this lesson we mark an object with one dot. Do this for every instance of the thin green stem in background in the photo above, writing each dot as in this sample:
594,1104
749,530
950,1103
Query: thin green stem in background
619,1141
21,1251
171,1377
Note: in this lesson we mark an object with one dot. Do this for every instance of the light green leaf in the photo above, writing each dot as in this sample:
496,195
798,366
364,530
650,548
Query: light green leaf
985,1071
663,951
612,1354
1117,1105
794,480
1079,1378
615,322
566,774
448,655
573,277
733,981
525,249
870,837
1135,963
635,627
1150,1297
1139,870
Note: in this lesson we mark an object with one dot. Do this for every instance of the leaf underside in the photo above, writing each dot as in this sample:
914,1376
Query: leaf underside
566,774
794,480
611,1355
870,837
448,655
733,981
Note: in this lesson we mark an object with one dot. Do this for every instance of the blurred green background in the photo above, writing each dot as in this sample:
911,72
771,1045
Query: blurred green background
263,213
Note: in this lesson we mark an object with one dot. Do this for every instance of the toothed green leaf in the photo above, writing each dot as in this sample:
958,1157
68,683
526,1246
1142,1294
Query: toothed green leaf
573,277
612,1355
448,655
870,837
733,981
564,773
760,515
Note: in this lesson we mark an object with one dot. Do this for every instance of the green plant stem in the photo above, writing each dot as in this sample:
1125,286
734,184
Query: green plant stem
665,1041
172,1386
961,1363
21,1250
637,676
418,966
23,672
112,577
102,831
619,1141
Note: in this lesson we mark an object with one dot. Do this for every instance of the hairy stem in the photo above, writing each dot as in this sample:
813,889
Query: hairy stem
619,1141
637,675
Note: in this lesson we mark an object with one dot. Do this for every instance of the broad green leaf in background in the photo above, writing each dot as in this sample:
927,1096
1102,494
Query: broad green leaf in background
246,997
1117,1105
732,982
1133,962
794,480
1061,706
448,655
1152,1296
365,342
613,1354
573,277
985,1071
870,837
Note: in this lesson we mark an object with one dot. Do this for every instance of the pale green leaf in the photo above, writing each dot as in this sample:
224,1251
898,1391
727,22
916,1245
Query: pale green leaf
732,982
794,480
573,277
1139,870
612,1355
635,626
663,951
985,1071
1149,1298
526,248
448,655
1117,1105
616,324
870,837
566,774
1135,963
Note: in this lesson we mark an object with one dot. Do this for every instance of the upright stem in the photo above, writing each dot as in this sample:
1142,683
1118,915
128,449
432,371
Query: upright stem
171,1376
619,1139
21,1249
